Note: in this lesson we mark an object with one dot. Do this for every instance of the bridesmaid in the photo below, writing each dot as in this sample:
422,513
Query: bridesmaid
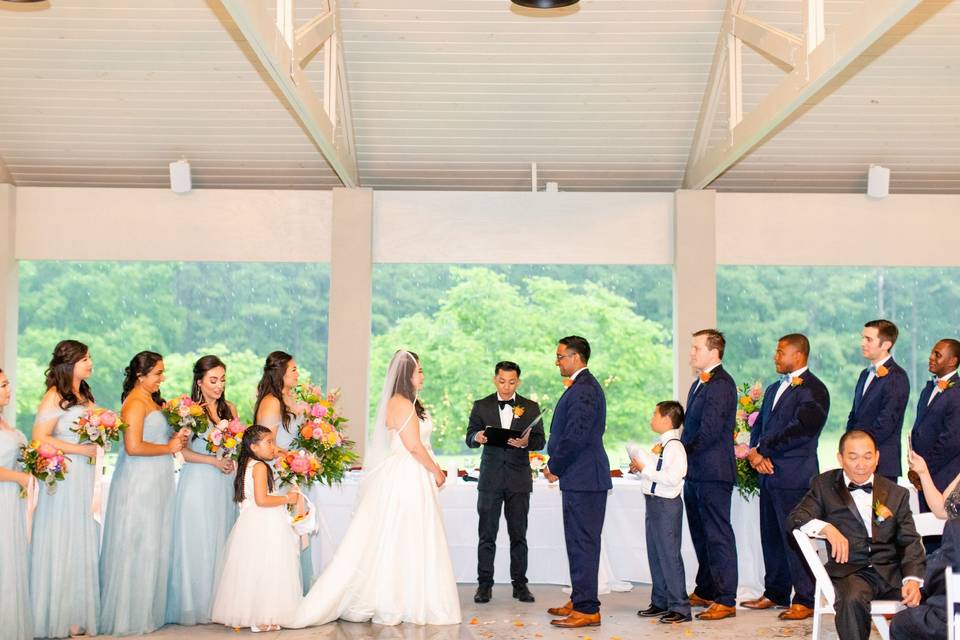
205,511
64,582
276,409
137,536
15,615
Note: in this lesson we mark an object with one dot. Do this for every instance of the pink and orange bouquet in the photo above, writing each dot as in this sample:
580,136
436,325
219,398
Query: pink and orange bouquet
537,462
223,439
98,426
184,413
44,462
748,410
322,433
297,468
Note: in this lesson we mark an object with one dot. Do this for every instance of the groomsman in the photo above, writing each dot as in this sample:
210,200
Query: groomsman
505,479
579,461
936,431
783,450
711,470
880,398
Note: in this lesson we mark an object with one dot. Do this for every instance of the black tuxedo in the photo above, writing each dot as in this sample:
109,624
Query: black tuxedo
878,560
505,483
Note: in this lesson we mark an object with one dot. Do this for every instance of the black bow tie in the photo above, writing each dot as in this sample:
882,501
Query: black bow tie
867,488
503,403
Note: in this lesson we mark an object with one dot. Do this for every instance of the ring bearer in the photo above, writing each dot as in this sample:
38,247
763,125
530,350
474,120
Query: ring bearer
661,474
505,479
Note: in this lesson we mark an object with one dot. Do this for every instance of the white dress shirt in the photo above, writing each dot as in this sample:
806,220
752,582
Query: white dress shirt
574,375
871,374
669,478
506,413
786,383
936,387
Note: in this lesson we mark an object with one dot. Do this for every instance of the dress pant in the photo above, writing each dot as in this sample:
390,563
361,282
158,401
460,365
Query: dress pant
664,525
583,513
784,568
708,516
854,594
515,506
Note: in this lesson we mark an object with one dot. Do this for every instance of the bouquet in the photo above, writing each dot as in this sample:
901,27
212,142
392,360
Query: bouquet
748,409
297,468
98,426
224,438
44,462
537,462
184,413
322,435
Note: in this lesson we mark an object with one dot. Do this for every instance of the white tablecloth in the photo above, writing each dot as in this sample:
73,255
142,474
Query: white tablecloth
623,534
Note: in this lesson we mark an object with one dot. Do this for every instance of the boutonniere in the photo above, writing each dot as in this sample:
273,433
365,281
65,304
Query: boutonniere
518,411
705,376
881,511
567,382
944,385
882,371
657,448
796,382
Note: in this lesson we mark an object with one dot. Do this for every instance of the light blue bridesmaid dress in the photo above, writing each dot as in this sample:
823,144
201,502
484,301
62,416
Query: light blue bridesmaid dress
203,516
64,574
284,440
16,620
136,552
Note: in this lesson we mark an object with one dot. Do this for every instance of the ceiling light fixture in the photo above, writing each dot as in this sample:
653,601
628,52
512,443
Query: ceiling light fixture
545,4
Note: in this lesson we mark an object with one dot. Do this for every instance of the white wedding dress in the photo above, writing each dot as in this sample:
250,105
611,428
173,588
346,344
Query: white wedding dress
393,565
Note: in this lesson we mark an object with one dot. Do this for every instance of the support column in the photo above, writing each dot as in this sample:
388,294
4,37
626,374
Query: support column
8,291
351,291
694,278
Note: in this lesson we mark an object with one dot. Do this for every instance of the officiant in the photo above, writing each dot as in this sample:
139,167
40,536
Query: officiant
505,478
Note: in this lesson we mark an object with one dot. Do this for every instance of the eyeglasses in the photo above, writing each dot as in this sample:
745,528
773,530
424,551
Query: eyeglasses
566,355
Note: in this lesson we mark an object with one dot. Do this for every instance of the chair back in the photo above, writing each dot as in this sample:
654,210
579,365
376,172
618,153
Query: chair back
953,599
808,547
928,524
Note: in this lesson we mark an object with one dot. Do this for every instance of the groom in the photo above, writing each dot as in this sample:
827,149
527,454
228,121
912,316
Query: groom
578,460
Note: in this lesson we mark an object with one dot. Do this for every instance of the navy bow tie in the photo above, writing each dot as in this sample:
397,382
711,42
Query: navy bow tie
785,378
866,488
504,403
872,369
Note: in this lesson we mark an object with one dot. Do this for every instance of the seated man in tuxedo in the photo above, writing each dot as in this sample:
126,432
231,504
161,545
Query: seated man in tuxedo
929,620
875,551
505,478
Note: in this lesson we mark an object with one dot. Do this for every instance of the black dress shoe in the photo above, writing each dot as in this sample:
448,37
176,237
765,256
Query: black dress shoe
652,612
522,593
483,594
673,617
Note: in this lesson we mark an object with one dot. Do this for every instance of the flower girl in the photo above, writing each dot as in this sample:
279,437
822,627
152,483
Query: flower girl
259,584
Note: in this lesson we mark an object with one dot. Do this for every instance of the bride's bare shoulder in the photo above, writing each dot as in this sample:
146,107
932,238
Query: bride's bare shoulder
398,409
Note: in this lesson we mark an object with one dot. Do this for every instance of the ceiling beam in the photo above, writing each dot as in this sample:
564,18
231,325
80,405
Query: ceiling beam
841,46
278,54
783,46
313,35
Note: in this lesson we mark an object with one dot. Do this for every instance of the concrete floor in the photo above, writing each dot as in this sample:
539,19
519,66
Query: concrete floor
507,619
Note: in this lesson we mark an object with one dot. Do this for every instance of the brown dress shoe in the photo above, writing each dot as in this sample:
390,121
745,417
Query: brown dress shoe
697,601
576,620
717,612
759,603
561,612
796,612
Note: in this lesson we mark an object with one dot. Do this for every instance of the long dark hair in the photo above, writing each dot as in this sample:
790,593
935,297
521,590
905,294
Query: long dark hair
254,434
271,384
59,373
140,365
200,369
404,385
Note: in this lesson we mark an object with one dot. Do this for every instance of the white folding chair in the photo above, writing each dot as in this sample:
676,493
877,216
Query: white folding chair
928,524
953,599
824,594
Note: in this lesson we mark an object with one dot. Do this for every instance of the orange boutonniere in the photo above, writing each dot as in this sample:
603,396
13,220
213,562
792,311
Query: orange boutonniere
705,376
796,382
567,382
882,371
944,385
881,511
657,449
518,411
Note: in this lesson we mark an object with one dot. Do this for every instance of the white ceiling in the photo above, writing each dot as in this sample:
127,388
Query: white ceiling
462,94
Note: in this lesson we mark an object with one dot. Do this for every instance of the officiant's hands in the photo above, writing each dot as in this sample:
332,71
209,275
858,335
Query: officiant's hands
480,438
549,476
519,443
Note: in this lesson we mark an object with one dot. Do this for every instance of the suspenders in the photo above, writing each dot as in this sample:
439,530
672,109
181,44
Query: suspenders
653,486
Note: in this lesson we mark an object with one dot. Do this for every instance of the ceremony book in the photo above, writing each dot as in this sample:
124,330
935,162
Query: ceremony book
497,436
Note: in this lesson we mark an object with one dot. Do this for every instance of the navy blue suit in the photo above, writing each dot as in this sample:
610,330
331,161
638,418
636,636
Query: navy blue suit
880,411
578,458
711,470
788,434
936,434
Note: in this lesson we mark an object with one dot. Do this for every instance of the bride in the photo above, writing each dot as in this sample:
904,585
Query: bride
393,564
